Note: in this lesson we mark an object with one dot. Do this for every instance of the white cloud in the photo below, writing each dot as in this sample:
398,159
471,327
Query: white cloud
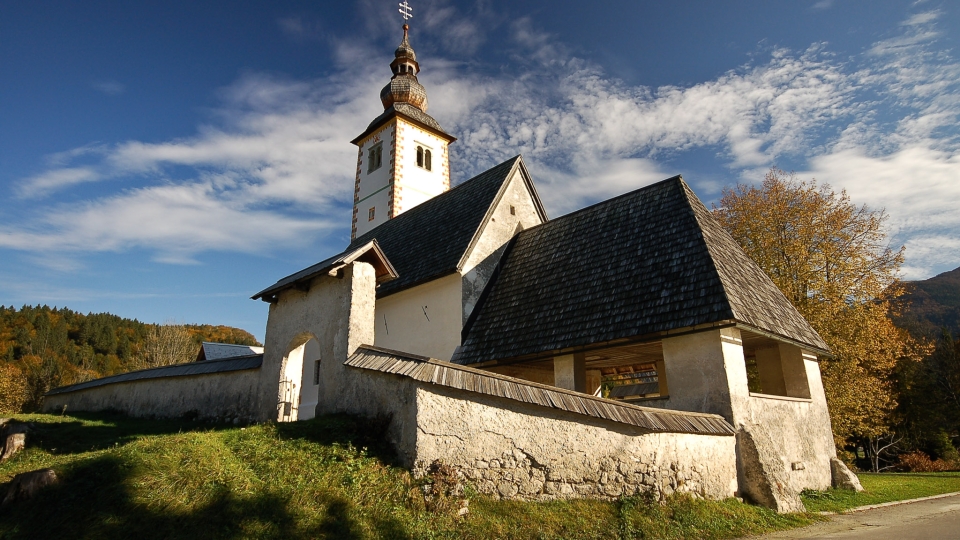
56,179
277,166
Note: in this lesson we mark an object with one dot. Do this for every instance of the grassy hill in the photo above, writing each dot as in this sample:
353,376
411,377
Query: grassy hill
325,478
933,304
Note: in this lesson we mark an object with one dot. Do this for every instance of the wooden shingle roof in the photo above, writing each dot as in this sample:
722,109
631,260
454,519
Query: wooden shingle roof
648,262
429,240
440,373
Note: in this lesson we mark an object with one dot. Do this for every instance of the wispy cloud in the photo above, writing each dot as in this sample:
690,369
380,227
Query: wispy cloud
56,179
110,88
275,165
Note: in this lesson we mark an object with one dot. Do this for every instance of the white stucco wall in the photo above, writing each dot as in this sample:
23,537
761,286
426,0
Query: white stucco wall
798,431
220,396
402,325
706,372
483,255
338,312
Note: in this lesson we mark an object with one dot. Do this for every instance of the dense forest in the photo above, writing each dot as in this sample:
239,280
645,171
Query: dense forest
42,348
929,406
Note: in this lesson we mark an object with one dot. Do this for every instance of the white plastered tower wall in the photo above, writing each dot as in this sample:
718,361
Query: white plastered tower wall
403,157
399,183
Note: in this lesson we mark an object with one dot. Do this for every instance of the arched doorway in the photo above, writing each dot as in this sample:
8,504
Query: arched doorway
299,383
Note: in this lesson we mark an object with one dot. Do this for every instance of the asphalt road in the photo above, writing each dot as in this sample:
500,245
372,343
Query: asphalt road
931,519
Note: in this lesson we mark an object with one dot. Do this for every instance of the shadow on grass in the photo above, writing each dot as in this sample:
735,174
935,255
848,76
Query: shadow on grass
84,432
344,429
93,500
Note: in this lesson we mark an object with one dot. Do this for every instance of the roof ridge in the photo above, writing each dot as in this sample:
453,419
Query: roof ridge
559,220
621,196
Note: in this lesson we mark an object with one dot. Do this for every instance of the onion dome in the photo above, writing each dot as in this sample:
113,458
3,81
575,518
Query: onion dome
403,86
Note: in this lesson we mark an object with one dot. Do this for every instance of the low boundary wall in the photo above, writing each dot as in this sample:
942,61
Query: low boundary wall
221,390
515,439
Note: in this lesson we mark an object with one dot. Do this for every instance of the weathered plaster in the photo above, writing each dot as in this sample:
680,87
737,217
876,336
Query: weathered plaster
516,450
424,320
786,443
501,225
224,396
337,311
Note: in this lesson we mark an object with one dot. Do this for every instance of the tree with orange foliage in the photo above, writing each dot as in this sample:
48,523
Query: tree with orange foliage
831,258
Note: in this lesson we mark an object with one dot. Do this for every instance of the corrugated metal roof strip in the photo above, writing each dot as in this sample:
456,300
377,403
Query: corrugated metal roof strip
429,370
177,370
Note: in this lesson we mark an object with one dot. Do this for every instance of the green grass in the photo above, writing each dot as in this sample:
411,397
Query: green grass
882,488
326,478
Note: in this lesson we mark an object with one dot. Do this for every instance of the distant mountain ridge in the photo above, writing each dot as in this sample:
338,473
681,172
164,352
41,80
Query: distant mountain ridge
934,303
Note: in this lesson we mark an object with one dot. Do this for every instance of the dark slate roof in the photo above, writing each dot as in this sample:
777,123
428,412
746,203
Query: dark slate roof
252,361
428,241
410,113
647,262
440,373
218,351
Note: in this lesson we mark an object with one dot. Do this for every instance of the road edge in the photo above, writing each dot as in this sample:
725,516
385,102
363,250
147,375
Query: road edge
891,503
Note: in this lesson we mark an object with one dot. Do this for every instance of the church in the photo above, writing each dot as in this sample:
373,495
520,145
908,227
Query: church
629,346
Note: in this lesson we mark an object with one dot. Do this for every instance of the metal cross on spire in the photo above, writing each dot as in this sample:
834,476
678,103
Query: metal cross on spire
406,10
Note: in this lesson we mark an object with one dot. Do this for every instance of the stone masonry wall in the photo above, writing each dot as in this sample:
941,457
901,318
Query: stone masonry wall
515,450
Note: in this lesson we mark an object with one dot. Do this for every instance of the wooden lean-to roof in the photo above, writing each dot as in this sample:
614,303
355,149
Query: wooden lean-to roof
437,372
647,263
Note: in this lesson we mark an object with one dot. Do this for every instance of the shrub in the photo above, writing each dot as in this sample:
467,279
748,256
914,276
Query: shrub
14,391
917,461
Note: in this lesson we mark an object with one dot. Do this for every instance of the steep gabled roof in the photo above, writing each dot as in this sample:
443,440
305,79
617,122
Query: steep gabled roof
429,240
650,261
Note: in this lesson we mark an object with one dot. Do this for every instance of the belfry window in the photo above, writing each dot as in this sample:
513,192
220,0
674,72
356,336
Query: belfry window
424,158
374,157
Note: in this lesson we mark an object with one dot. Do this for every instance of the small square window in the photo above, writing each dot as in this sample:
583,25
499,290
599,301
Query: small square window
513,210
372,213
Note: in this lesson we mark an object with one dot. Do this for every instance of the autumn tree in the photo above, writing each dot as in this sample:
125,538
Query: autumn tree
167,344
831,258
14,389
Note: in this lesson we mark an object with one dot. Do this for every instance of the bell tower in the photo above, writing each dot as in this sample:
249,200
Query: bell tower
402,159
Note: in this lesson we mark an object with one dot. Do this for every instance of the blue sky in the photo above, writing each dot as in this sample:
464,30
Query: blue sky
166,160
